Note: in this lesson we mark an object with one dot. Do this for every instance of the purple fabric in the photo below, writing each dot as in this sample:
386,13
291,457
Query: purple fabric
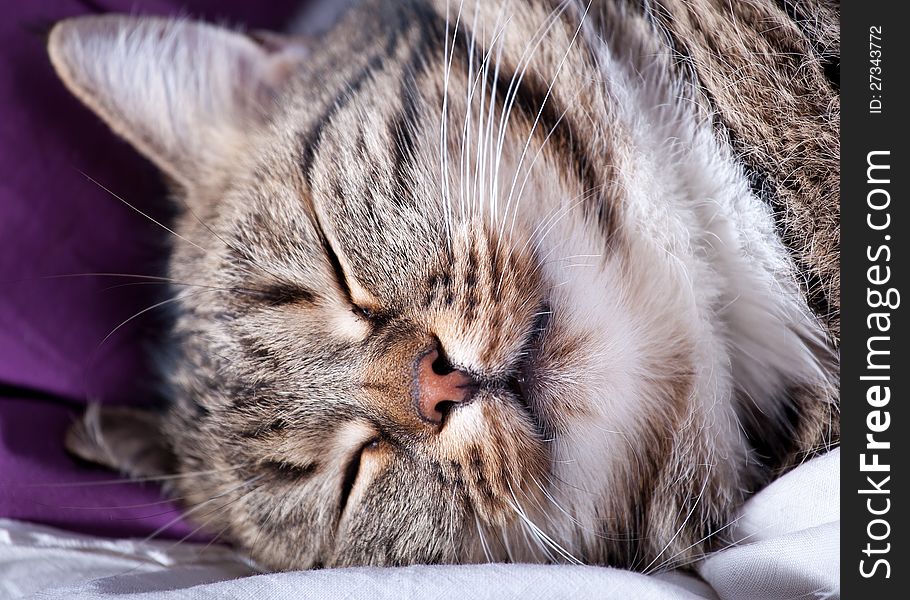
55,221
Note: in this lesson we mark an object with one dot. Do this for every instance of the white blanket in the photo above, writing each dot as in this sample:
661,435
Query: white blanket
789,537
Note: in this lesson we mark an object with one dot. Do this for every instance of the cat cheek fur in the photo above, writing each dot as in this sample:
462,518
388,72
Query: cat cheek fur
597,259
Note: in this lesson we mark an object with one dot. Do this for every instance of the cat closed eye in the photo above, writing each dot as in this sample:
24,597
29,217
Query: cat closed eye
353,470
288,470
364,313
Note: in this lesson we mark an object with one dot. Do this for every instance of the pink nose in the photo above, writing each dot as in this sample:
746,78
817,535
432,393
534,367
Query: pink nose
440,387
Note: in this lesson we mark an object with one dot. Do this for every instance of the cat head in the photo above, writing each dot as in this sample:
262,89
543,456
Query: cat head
413,324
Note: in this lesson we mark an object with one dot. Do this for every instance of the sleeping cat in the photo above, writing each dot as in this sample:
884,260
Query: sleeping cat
485,280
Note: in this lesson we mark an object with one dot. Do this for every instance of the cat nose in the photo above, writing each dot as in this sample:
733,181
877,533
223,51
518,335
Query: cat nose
440,386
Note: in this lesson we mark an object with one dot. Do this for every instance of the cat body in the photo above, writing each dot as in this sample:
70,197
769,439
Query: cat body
470,281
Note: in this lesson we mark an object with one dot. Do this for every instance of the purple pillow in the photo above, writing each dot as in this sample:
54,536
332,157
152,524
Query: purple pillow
59,227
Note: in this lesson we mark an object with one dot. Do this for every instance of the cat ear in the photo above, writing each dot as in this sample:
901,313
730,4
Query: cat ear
183,92
128,440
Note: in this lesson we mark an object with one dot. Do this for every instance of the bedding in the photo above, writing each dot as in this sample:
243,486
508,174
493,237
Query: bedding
788,548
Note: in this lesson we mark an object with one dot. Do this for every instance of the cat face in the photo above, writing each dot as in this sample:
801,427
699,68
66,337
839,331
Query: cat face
375,384
437,301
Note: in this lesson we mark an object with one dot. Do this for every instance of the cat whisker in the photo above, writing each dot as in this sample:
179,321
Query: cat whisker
553,477
139,314
180,284
213,513
537,532
170,511
452,523
553,217
537,155
702,555
238,251
152,478
146,215
483,124
504,536
96,352
512,94
666,563
444,125
151,280
75,275
536,545
549,496
255,543
476,190
551,519
200,506
470,42
685,521
540,112
115,507
490,167
215,539
483,540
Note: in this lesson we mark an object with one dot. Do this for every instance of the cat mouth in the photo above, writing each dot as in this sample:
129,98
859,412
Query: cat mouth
522,387
522,390
524,381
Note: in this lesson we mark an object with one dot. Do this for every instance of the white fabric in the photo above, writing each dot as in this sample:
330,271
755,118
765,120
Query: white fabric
789,538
